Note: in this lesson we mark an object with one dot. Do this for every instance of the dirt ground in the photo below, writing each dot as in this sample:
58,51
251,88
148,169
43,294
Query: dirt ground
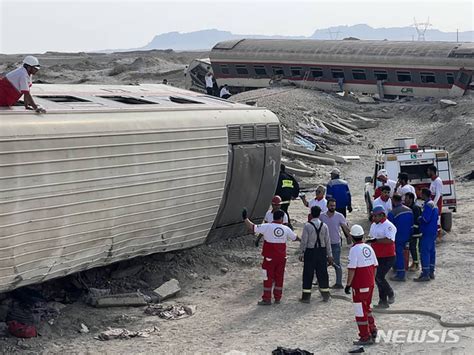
223,279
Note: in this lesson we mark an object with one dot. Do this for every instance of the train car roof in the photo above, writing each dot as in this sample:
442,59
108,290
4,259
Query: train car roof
98,98
345,49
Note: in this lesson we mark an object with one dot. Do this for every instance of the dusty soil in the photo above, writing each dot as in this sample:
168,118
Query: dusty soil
223,279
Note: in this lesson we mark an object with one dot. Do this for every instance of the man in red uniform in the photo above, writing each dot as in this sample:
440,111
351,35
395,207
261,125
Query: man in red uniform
275,235
361,277
18,82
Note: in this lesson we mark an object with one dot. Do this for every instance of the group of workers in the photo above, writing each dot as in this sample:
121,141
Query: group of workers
397,221
213,89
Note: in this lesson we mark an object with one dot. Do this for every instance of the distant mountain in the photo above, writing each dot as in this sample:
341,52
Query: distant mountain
206,39
198,40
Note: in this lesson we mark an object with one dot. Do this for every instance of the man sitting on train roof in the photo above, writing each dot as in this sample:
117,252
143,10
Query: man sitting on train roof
18,82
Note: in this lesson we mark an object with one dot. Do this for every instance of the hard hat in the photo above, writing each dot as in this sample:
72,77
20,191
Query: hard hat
336,171
31,61
357,231
382,172
276,200
378,209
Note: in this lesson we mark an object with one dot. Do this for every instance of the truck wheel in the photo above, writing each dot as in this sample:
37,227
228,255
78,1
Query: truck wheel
447,221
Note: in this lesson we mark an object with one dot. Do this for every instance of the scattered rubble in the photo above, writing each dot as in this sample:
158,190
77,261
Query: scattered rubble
122,333
84,329
170,312
130,299
447,103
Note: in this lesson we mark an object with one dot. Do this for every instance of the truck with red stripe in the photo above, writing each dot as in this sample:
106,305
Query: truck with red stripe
408,157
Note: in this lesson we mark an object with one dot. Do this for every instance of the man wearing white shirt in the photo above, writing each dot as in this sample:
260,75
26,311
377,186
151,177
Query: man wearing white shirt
209,83
403,186
384,199
436,188
225,93
382,176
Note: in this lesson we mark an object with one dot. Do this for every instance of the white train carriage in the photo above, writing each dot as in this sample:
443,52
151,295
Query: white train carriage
385,68
113,172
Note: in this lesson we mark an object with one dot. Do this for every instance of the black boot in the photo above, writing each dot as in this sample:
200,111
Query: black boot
305,297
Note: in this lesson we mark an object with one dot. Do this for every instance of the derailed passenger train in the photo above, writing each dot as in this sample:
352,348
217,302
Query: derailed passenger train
386,68
114,172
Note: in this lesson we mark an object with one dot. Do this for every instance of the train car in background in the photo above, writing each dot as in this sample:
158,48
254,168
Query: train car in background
386,68
114,172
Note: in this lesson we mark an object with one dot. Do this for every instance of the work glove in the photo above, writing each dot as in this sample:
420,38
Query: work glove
349,208
347,290
244,214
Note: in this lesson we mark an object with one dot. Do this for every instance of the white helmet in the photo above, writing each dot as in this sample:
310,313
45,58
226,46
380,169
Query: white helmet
31,61
357,231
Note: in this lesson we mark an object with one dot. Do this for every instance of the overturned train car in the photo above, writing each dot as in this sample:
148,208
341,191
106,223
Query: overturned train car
435,69
114,172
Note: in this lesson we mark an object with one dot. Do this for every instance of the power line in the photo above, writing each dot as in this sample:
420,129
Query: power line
421,28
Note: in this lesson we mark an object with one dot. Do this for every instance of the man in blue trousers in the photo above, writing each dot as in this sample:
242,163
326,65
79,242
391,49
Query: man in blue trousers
428,222
402,217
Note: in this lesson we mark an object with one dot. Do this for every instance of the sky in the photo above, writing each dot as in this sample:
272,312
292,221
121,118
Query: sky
37,26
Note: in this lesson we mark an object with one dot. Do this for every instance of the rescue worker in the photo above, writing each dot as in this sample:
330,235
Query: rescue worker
275,235
402,218
361,272
428,222
315,252
384,199
318,200
339,190
18,82
276,204
209,83
436,188
383,180
416,235
403,186
225,93
383,233
288,189
335,222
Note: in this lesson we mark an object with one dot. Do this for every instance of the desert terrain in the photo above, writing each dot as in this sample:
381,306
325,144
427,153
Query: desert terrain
223,279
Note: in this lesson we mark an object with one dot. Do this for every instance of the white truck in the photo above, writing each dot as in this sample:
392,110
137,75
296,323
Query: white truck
407,157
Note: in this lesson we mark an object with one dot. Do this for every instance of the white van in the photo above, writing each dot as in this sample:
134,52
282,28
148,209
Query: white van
408,157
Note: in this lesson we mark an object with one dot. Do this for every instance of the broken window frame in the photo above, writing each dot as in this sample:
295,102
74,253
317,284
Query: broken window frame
428,77
359,74
403,76
296,72
260,70
241,69
380,74
337,73
315,71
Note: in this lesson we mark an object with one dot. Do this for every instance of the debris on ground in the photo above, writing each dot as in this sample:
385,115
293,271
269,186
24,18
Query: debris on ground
168,289
129,299
122,333
84,329
287,351
447,103
170,311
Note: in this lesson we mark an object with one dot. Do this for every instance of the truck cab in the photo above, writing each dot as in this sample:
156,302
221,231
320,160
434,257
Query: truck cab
407,157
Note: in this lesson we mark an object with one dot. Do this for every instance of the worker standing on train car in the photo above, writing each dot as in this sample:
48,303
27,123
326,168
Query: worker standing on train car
315,252
338,189
288,189
209,83
361,278
428,222
275,235
18,82
436,188
402,218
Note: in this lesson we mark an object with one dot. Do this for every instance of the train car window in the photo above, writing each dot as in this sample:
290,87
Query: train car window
380,74
128,100
278,71
62,98
241,69
296,71
337,73
224,69
427,77
316,72
403,76
260,70
182,100
450,78
359,74
463,78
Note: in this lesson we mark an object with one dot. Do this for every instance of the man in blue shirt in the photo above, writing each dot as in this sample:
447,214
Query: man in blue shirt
428,222
338,189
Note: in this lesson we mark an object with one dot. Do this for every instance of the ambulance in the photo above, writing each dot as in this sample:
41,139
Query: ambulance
408,157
